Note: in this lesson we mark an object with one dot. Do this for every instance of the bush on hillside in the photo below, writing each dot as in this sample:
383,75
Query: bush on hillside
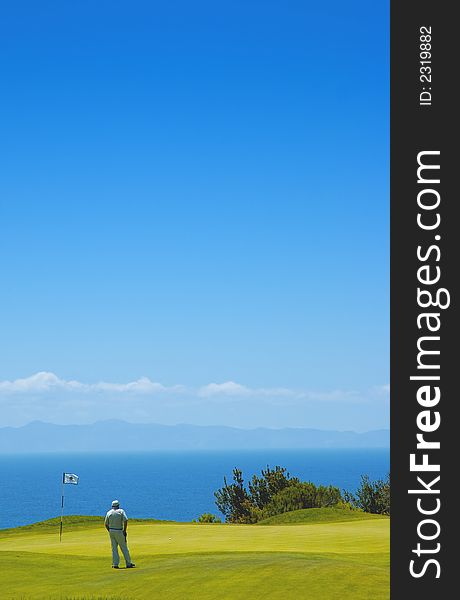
371,496
301,495
208,518
233,500
263,489
346,506
274,492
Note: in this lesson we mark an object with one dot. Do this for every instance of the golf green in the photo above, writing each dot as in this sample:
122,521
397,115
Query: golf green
319,557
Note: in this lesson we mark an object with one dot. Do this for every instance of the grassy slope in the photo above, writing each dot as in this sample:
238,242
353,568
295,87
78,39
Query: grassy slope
313,560
319,515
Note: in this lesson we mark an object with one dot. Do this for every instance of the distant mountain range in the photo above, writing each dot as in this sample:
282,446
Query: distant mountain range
119,435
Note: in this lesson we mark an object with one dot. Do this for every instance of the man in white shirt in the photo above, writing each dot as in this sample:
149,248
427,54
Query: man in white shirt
116,523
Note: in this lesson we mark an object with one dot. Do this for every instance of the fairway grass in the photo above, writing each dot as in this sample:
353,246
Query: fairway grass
318,560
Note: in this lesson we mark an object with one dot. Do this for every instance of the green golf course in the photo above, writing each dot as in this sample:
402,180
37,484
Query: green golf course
318,554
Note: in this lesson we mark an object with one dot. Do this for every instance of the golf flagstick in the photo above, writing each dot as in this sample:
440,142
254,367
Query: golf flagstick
66,478
62,507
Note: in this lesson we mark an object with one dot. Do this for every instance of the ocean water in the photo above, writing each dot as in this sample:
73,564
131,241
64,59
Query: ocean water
174,485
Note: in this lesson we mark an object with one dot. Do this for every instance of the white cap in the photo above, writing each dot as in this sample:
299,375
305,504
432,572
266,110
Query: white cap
115,503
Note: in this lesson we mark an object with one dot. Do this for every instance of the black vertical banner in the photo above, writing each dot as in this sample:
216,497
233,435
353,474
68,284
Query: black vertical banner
424,291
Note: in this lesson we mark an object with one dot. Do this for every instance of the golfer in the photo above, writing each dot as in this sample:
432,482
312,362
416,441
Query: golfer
116,523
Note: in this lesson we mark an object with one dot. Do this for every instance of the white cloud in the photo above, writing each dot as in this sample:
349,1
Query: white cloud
45,381
230,388
141,386
40,382
46,396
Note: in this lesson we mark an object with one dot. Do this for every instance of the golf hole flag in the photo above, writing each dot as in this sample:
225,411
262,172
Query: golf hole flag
71,478
66,478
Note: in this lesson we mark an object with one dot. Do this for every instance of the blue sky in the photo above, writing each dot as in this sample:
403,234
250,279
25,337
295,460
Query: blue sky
195,193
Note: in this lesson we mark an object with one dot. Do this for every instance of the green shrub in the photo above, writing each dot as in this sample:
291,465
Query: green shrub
301,495
208,518
233,500
346,506
274,492
241,505
262,489
371,496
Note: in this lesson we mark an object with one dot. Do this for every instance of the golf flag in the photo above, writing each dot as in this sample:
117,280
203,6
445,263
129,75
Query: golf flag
66,478
70,478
